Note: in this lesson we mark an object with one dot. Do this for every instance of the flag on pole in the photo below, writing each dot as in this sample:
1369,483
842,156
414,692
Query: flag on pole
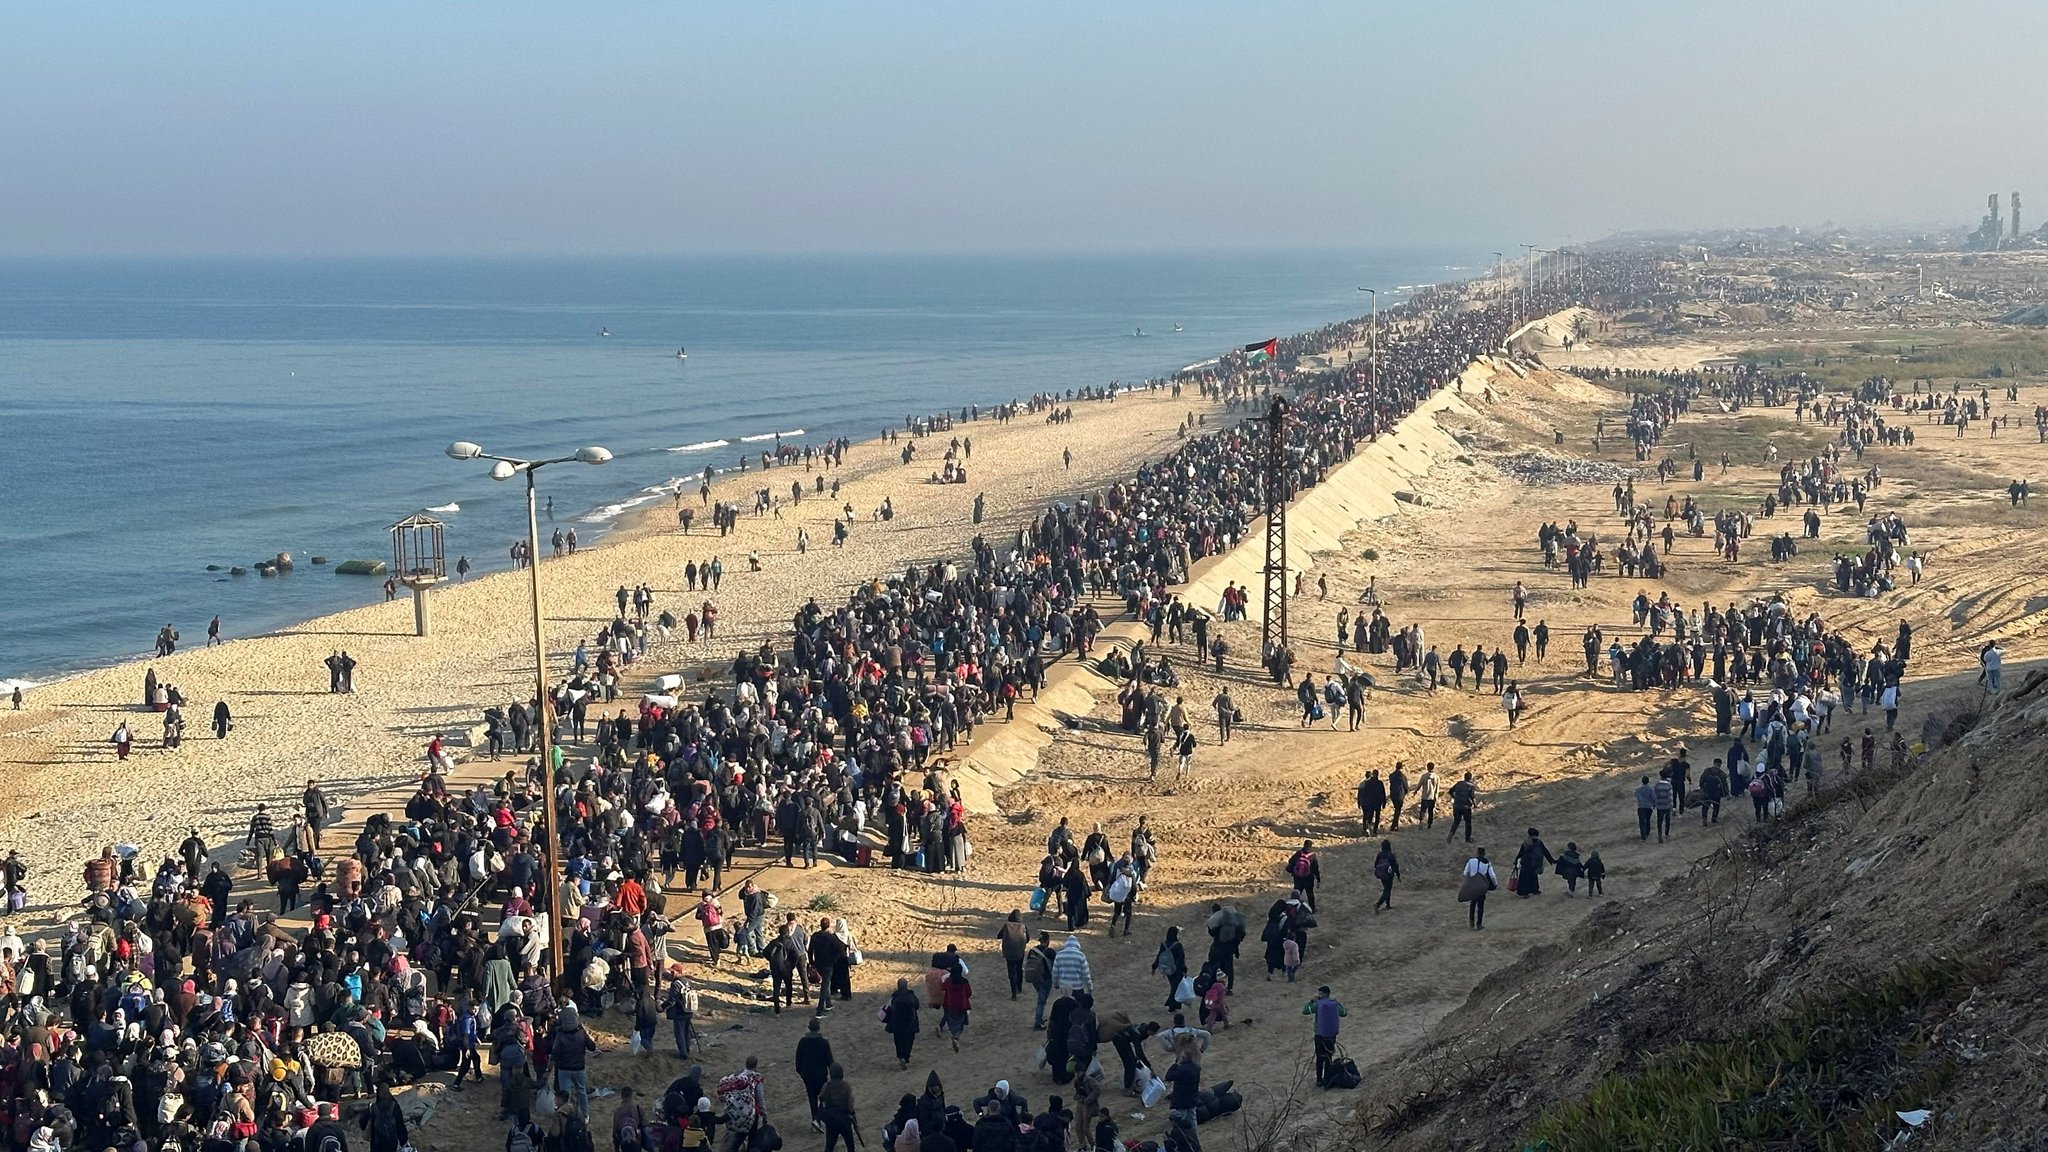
1263,350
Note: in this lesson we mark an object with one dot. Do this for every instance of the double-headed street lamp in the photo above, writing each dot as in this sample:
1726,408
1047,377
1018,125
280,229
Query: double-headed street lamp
505,468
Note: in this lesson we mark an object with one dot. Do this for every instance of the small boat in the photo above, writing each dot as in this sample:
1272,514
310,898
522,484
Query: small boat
1139,332
604,331
1176,327
682,353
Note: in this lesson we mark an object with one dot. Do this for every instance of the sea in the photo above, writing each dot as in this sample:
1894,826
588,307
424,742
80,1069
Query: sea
162,417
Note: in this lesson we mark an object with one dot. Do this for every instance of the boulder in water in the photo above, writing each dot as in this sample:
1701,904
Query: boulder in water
318,560
213,567
283,562
360,568
238,570
266,569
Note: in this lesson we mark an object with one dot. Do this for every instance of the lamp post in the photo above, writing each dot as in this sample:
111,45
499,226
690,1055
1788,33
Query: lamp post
1373,346
1500,274
505,468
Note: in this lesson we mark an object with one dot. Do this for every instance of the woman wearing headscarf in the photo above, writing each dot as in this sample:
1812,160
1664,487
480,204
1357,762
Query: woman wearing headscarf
900,1019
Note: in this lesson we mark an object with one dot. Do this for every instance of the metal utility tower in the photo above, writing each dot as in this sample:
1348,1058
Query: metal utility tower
1274,632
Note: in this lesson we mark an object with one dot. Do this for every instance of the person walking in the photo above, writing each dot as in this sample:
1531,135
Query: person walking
1713,789
813,1066
899,1019
681,1010
1464,796
1386,869
1664,799
836,1114
1015,940
1646,804
1070,971
568,1056
1530,860
1038,972
1425,794
1306,870
1372,800
1171,961
1480,879
956,1001
1326,1013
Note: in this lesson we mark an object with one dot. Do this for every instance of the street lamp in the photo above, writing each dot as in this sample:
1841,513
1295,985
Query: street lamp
504,468
1373,345
1500,274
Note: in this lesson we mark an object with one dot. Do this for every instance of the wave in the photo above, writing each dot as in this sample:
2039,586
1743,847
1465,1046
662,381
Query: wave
446,508
613,511
770,436
699,446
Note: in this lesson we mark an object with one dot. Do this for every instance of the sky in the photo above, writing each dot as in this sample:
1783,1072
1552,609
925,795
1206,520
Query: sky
681,126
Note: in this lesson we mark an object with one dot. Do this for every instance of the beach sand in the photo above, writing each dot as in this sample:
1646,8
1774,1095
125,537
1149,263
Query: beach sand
65,796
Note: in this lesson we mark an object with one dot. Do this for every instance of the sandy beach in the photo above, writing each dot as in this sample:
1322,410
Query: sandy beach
65,797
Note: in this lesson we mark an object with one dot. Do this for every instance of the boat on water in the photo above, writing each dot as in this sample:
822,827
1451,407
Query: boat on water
1138,332
1176,327
682,353
604,331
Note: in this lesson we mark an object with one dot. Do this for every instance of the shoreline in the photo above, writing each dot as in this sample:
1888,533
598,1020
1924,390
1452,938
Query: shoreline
480,653
640,511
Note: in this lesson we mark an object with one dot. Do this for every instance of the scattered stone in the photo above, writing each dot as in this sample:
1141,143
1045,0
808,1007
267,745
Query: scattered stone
1407,497
1544,469
238,570
359,568
319,560
213,567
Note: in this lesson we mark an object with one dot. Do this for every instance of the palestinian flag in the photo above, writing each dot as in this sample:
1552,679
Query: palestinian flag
1263,350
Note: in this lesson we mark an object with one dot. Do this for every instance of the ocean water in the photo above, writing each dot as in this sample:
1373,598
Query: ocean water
161,416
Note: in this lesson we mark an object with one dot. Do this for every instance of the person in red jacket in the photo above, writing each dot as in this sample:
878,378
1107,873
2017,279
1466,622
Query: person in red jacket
957,998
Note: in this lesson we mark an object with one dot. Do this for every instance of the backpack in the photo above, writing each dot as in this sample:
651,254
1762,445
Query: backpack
1303,863
331,1143
1383,868
1758,787
1119,888
1034,967
519,1141
1164,961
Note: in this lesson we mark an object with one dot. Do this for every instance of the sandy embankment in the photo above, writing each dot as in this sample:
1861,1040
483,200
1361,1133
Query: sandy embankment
66,796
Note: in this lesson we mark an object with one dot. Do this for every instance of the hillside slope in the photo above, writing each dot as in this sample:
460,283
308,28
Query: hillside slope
1880,951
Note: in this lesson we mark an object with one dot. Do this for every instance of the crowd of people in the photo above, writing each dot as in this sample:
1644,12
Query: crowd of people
172,1012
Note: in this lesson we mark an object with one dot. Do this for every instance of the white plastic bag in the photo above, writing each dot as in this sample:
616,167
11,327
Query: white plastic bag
1184,992
636,1045
544,1101
1152,1092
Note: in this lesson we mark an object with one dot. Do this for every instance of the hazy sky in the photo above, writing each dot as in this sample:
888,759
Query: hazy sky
372,127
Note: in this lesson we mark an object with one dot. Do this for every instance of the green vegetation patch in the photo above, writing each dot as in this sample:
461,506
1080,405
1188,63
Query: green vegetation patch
1826,1077
1948,354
